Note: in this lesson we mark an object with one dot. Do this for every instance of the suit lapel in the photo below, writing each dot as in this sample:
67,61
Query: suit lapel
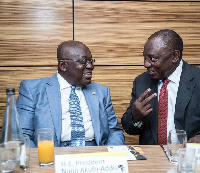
53,94
153,117
91,97
185,90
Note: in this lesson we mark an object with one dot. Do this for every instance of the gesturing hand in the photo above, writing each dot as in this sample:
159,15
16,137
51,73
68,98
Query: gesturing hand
141,107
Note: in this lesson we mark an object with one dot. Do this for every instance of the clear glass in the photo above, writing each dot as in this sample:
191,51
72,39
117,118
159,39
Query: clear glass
11,139
25,157
45,139
10,156
176,139
186,160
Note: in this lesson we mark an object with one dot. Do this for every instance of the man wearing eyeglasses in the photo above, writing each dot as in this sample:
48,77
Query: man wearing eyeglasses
167,96
46,103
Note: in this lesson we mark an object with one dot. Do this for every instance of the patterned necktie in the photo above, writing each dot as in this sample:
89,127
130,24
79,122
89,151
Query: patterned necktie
163,113
77,125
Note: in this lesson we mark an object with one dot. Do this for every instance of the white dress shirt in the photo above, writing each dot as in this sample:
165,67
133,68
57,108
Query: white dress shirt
65,90
172,88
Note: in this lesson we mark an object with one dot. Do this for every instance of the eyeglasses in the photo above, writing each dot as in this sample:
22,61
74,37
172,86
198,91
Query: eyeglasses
84,62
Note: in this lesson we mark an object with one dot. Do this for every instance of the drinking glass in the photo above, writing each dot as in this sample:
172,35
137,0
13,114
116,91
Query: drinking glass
10,156
45,137
25,155
186,160
176,139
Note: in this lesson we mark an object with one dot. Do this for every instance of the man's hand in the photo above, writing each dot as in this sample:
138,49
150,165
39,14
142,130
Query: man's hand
141,107
195,139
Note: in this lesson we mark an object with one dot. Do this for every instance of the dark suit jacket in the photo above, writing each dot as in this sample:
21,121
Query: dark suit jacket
187,108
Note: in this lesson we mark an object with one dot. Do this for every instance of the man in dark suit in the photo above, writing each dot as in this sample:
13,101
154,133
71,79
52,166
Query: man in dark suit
45,103
163,59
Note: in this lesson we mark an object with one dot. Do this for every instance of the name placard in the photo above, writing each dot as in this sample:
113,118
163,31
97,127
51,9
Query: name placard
197,147
105,162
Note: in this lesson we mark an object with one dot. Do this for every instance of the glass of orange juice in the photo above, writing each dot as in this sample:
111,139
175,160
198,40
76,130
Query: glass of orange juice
45,137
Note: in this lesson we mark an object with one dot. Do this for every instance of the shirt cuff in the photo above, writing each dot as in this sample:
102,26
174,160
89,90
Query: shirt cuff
138,124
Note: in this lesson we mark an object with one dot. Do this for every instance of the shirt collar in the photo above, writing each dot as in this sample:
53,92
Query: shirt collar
63,83
175,76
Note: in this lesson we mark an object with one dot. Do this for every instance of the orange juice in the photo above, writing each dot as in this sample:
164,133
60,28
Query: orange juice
46,151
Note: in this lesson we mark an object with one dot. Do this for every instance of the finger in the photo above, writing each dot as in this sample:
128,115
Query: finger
148,99
144,95
148,109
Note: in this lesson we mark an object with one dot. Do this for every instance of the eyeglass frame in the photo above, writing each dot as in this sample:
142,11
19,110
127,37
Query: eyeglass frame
90,61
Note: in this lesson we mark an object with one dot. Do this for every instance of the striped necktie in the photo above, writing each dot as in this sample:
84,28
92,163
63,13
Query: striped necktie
77,125
163,113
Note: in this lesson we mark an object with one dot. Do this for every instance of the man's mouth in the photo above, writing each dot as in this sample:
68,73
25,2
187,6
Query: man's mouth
87,74
152,72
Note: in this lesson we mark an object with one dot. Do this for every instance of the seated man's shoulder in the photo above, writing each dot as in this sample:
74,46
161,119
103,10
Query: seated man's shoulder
36,82
195,69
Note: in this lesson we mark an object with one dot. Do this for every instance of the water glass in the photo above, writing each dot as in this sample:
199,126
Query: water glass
25,155
10,156
176,139
186,160
45,137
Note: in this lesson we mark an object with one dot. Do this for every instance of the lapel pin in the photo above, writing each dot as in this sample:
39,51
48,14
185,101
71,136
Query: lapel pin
93,93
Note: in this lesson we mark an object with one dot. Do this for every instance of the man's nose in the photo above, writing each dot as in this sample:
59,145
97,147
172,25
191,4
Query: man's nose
89,66
147,64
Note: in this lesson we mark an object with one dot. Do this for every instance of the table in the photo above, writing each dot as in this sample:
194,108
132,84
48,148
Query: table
156,162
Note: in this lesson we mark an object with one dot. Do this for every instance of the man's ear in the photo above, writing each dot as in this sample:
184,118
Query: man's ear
176,56
62,66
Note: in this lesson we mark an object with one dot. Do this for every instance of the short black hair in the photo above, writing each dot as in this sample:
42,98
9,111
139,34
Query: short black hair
171,39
